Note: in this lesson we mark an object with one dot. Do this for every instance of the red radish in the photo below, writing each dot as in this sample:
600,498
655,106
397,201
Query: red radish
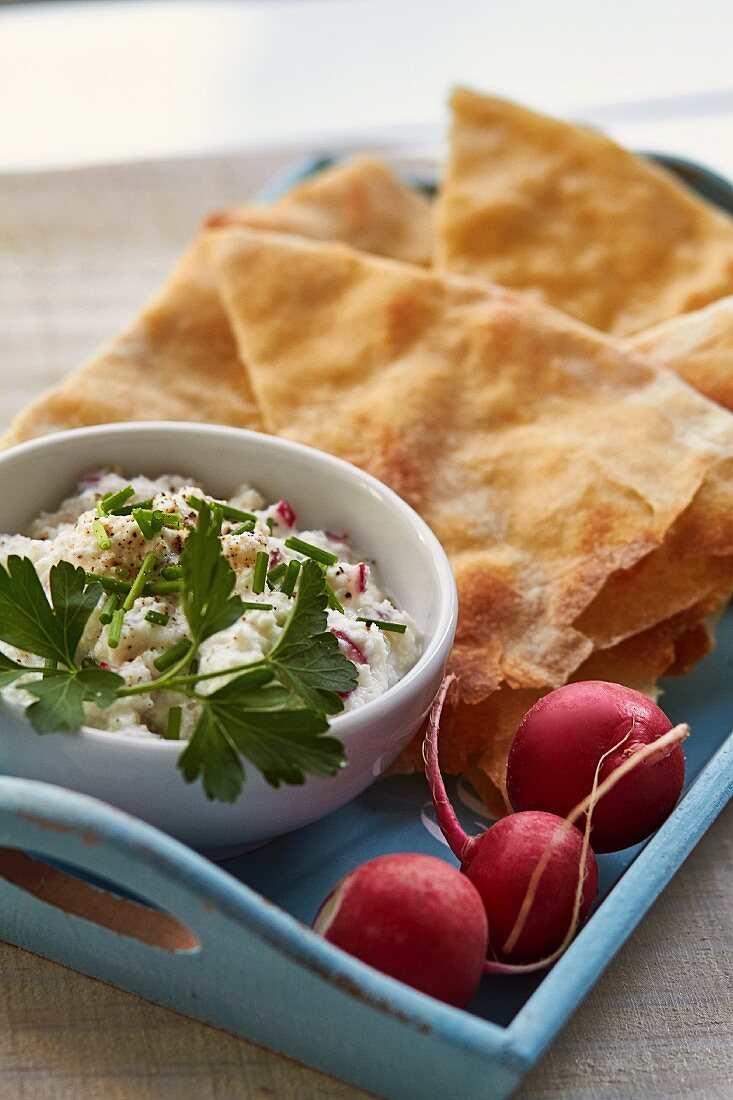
363,574
536,874
348,648
285,511
414,918
560,742
502,865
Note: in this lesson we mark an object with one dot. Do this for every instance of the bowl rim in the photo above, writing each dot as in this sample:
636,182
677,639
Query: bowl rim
439,642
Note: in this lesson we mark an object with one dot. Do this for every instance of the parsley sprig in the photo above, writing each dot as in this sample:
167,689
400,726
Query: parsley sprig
272,713
52,630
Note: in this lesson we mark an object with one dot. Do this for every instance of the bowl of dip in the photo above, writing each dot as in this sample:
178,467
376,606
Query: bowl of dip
392,607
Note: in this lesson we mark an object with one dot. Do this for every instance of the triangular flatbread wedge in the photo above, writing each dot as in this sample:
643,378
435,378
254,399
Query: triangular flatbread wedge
360,202
471,401
178,361
564,213
671,647
698,346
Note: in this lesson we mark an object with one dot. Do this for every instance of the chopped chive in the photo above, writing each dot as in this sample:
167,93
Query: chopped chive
129,508
291,576
323,557
151,588
158,617
194,667
171,572
103,540
109,584
170,519
227,511
139,583
161,588
394,628
115,628
110,606
252,605
333,601
270,523
173,729
171,656
122,572
237,514
111,501
244,527
277,574
149,522
260,574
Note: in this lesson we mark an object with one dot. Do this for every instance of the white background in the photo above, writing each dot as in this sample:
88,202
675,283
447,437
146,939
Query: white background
87,82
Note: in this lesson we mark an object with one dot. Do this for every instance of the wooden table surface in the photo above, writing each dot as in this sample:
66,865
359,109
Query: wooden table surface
79,252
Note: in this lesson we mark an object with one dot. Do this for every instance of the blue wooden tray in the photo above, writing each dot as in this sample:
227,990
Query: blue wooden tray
88,886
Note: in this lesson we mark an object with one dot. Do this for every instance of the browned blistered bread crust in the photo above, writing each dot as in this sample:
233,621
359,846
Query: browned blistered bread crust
562,212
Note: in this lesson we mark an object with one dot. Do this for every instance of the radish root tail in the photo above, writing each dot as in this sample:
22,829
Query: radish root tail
662,745
459,842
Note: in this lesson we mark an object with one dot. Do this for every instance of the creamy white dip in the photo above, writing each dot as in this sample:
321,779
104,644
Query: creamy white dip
381,658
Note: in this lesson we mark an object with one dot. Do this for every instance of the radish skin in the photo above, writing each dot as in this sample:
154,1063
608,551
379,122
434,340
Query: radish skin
536,874
413,917
557,747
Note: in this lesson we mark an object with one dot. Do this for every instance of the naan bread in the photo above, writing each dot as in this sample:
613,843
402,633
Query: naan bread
178,361
360,202
531,445
566,214
698,346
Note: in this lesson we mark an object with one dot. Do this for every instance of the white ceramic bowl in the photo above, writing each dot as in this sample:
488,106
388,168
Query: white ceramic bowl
140,776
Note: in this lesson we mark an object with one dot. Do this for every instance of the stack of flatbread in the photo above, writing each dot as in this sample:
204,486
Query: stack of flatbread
502,359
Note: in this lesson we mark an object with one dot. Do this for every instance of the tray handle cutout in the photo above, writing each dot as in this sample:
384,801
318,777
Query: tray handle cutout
66,858
78,898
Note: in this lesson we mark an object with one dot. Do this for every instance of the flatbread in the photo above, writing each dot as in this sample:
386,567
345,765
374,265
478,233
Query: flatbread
670,648
470,401
564,213
177,361
698,346
360,202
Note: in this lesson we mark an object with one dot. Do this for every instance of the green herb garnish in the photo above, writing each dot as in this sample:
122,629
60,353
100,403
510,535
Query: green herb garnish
394,628
260,572
115,628
109,503
252,605
100,533
333,601
291,576
172,656
323,557
271,712
276,575
52,630
173,729
136,588
110,606
158,617
227,512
